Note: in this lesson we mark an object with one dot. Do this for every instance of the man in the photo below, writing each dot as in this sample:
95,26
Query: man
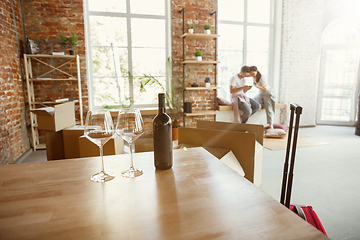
238,98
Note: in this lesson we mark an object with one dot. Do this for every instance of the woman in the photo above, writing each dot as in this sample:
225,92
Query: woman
265,96
239,100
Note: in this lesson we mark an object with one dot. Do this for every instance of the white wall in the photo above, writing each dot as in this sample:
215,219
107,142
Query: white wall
302,24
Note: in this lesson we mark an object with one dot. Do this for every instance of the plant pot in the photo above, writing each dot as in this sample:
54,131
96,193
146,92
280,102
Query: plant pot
175,133
199,58
191,30
207,31
207,84
72,52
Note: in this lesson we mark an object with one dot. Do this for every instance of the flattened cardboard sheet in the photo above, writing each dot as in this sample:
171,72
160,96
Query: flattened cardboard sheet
241,144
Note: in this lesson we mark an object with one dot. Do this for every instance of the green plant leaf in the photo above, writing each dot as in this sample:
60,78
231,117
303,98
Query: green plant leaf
63,38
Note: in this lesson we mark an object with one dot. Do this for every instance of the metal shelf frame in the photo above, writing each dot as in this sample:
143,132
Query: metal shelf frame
200,36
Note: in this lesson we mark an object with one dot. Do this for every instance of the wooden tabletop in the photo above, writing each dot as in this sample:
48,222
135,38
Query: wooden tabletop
199,198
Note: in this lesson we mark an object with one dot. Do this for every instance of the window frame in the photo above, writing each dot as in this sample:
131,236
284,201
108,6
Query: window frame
128,16
274,47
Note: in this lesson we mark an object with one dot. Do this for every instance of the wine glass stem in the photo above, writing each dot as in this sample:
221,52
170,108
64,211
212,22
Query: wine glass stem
102,159
132,157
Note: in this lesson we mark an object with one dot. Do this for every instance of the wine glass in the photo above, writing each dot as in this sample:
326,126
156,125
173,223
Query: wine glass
99,128
130,126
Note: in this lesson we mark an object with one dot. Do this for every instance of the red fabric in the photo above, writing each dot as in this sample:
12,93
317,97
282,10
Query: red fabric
311,217
276,125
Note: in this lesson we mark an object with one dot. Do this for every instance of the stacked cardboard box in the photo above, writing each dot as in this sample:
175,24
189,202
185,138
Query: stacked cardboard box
64,139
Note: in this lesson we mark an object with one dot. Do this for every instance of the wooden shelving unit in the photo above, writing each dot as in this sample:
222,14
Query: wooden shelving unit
202,113
200,88
30,79
200,36
205,37
199,62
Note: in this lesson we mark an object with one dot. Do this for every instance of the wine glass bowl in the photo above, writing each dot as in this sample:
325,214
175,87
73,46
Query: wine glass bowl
99,128
129,127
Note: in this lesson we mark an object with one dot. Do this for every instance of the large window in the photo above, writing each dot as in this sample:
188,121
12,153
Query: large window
339,74
245,28
126,39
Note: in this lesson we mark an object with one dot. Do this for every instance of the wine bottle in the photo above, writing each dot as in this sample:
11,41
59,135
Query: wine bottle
162,132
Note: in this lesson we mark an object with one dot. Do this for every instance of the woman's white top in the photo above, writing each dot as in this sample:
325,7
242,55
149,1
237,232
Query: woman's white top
263,83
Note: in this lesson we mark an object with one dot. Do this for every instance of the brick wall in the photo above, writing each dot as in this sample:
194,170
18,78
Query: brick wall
198,13
45,21
300,52
13,133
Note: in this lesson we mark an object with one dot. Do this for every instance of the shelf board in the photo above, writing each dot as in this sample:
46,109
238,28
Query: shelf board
40,146
53,79
53,102
203,113
199,36
200,62
49,56
201,88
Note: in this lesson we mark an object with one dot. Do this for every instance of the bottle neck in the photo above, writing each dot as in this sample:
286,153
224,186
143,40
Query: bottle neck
161,110
161,103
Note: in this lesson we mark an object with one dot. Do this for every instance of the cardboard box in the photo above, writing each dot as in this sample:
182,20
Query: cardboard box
70,136
54,145
56,118
89,149
144,144
244,140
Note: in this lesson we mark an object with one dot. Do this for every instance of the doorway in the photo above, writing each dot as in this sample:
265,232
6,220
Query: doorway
339,75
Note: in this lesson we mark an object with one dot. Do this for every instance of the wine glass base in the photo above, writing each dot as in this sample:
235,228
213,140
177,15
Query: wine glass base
132,172
102,177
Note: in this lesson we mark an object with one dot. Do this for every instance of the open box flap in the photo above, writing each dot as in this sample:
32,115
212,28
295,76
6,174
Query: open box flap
64,108
239,127
241,144
230,160
44,111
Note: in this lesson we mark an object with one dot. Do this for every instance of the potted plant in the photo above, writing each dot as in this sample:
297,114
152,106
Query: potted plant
69,43
207,82
207,28
172,97
191,27
198,55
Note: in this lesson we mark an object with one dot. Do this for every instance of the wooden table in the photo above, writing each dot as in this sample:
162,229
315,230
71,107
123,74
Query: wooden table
199,198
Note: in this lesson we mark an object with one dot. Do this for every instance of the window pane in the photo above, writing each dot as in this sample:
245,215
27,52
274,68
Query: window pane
110,90
258,38
335,109
230,55
149,61
109,61
231,10
151,94
144,36
103,32
342,34
259,11
340,72
155,7
107,5
260,60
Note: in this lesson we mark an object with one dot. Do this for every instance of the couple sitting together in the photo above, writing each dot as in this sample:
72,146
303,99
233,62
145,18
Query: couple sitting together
249,106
